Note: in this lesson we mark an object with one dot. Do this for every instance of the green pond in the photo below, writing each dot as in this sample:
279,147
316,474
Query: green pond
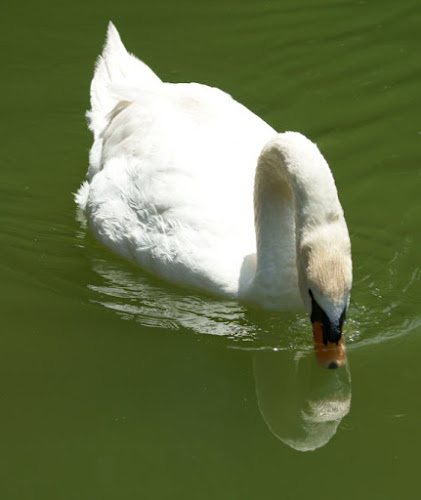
116,385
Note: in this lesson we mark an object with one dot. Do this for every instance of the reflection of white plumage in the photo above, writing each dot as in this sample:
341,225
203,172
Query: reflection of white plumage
173,171
302,405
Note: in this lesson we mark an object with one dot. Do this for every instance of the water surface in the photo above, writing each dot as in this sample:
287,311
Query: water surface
117,385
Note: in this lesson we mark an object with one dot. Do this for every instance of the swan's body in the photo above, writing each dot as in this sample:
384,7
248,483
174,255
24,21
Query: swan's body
173,171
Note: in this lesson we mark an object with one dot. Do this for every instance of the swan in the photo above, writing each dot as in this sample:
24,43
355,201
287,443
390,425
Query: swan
173,172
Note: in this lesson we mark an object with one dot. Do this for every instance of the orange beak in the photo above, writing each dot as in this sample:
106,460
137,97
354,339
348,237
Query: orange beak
330,354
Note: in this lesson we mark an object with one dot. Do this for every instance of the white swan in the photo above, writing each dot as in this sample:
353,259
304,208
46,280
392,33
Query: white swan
170,186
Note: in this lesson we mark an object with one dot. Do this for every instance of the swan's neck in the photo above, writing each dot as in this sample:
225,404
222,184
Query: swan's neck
294,194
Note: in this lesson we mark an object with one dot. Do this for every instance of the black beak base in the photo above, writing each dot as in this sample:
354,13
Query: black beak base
332,332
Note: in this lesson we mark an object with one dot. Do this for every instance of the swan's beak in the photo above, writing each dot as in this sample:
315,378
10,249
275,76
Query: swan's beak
328,354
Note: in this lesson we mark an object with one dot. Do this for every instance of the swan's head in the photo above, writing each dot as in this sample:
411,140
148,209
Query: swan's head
325,279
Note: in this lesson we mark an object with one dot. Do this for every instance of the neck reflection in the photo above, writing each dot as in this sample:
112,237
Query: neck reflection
301,403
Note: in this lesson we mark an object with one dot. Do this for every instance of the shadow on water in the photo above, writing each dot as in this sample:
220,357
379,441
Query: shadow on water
301,403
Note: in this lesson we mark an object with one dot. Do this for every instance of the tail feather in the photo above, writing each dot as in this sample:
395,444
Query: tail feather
82,195
116,74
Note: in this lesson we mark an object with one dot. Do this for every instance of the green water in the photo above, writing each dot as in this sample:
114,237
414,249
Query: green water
115,385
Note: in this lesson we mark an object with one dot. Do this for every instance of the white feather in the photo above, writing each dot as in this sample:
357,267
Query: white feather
171,179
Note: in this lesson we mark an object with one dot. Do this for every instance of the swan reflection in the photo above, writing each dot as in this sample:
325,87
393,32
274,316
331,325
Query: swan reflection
146,300
301,403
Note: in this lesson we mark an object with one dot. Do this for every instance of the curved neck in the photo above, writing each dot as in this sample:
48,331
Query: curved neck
294,193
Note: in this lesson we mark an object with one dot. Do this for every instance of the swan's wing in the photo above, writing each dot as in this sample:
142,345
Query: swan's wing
171,171
174,185
116,71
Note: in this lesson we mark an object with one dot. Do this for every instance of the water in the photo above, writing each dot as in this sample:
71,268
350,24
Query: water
116,385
